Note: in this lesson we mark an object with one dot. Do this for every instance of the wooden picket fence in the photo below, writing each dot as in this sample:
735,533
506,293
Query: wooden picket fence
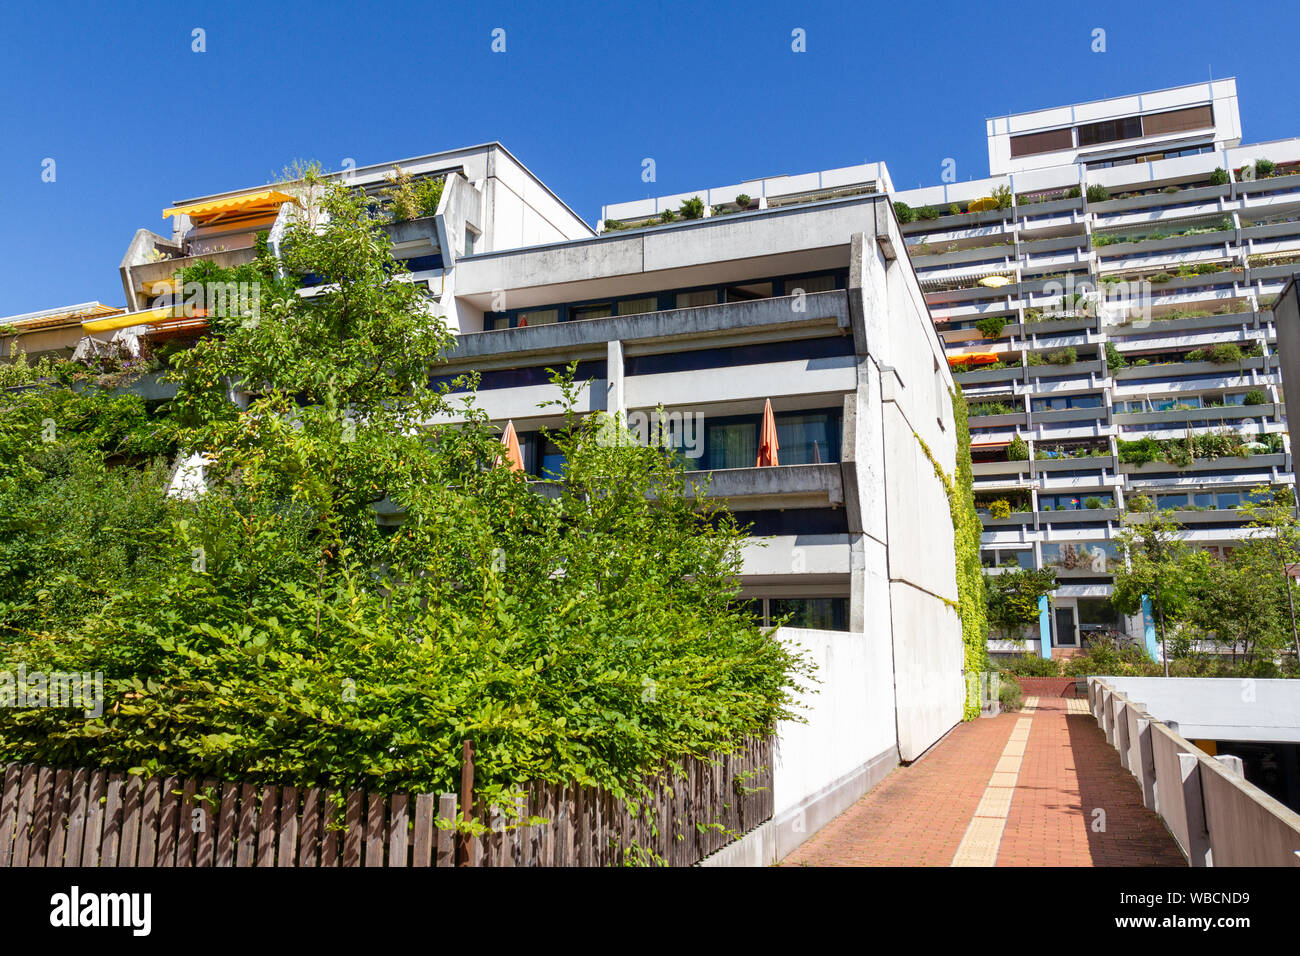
87,817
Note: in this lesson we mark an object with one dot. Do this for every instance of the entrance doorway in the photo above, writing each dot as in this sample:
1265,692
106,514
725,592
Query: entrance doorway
1067,626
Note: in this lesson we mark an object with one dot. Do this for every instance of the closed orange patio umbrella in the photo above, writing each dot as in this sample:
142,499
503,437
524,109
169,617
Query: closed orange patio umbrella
768,446
514,458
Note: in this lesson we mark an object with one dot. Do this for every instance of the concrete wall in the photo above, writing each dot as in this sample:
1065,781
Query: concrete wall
904,399
1214,814
846,745
1220,708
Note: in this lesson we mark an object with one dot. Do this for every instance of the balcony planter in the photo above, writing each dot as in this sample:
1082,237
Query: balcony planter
1157,325
1225,463
1175,370
1173,242
1052,206
1079,514
412,233
1184,197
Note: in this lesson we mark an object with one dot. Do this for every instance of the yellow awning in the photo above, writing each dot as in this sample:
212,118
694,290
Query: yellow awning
995,282
55,319
128,319
248,201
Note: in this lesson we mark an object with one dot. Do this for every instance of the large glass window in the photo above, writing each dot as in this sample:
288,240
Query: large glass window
579,312
637,306
731,445
808,438
810,284
694,300
1108,131
823,614
539,317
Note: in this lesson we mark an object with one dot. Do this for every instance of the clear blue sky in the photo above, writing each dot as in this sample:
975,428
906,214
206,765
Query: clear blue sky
584,91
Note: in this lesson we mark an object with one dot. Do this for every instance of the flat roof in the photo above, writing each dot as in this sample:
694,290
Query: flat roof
1110,99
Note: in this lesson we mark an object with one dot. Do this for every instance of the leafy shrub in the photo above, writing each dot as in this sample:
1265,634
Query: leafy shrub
1225,353
1031,665
1073,193
904,212
1010,697
692,208
1219,177
409,198
1001,508
668,216
1256,396
954,209
1159,278
1017,449
1264,168
1003,197
743,200
308,647
1105,657
1098,193
1114,357
1092,503
928,212
1065,356
991,327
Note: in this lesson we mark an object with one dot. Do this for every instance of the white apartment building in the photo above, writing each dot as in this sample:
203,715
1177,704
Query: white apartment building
1152,200
1119,197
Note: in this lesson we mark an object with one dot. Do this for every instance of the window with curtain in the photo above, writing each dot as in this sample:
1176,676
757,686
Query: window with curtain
638,306
693,300
731,445
538,317
808,438
810,284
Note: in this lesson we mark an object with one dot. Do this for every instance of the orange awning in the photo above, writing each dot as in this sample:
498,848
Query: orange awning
973,358
268,199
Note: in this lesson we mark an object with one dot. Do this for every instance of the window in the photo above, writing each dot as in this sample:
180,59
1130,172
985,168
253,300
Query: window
580,312
752,290
638,306
810,284
808,438
471,237
805,437
1109,131
1178,121
695,300
1029,143
823,614
731,445
538,317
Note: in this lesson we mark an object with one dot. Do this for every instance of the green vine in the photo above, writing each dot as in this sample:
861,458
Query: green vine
966,529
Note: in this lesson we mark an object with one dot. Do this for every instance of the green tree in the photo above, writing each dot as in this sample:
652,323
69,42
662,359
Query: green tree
1159,565
580,629
1012,596
1276,547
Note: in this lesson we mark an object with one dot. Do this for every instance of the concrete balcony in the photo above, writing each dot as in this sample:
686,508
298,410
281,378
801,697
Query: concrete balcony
1222,413
1155,469
146,277
783,486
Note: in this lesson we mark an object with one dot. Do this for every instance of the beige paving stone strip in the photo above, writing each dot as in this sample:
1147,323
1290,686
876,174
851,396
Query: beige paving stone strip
979,847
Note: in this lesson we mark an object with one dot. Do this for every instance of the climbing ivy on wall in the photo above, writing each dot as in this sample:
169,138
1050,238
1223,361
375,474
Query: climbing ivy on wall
966,542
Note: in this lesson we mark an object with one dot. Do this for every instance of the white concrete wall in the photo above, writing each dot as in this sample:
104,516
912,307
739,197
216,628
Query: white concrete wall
914,402
849,715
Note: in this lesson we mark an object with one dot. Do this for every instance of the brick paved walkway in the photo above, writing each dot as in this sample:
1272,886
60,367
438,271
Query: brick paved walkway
920,815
